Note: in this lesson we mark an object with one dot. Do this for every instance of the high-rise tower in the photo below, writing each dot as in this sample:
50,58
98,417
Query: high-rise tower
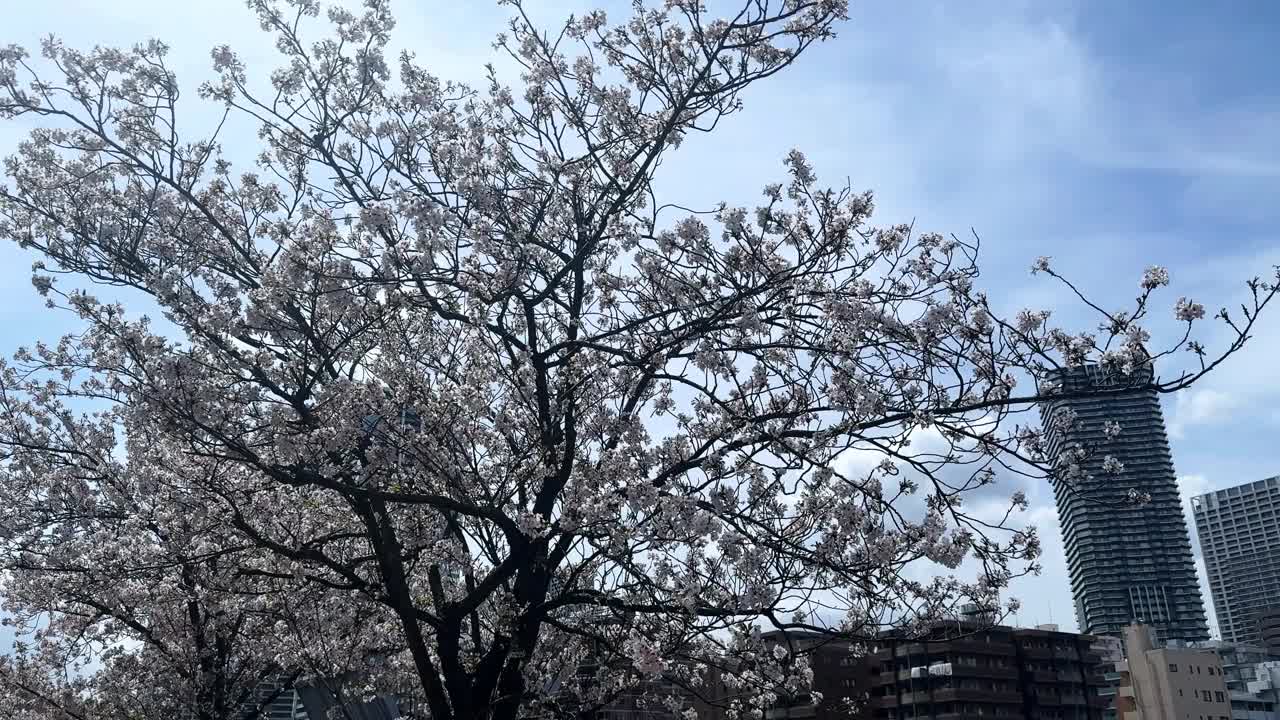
1127,562
1239,531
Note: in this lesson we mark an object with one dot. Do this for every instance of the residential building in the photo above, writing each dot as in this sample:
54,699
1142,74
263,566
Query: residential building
308,701
286,704
841,675
961,670
1170,683
586,690
1268,620
1239,531
1264,692
1241,665
654,701
1239,660
1110,650
1127,562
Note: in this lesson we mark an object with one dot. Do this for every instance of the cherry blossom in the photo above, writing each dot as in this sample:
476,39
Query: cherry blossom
1111,465
1188,311
1154,277
435,395
1111,429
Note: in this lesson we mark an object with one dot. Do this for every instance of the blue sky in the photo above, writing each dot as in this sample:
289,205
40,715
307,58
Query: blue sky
1108,135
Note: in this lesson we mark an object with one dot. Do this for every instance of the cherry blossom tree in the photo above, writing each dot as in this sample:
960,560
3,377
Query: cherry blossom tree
442,385
133,601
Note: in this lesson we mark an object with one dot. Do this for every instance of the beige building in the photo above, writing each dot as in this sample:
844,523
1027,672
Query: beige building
1171,683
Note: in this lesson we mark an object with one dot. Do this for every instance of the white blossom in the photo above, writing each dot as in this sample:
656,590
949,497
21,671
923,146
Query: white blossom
1028,321
1137,497
645,657
1154,277
1111,429
1188,311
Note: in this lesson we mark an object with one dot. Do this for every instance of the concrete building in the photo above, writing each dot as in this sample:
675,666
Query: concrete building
652,701
1269,628
840,674
1263,701
1239,661
1109,648
318,702
1110,651
973,670
1241,665
1170,683
1126,562
1239,531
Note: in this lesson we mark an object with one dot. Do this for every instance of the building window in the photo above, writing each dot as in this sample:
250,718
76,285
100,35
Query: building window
1173,667
1207,696
1218,696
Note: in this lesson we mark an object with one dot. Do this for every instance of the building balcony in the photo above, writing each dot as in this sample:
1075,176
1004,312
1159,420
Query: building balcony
1064,699
979,647
890,677
957,670
906,698
791,713
948,695
957,645
1008,697
984,671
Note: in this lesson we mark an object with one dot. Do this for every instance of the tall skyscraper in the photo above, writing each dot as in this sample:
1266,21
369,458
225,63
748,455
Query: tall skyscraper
1127,562
1239,530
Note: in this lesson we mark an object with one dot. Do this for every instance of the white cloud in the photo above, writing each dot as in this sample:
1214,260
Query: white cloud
1199,407
1045,598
